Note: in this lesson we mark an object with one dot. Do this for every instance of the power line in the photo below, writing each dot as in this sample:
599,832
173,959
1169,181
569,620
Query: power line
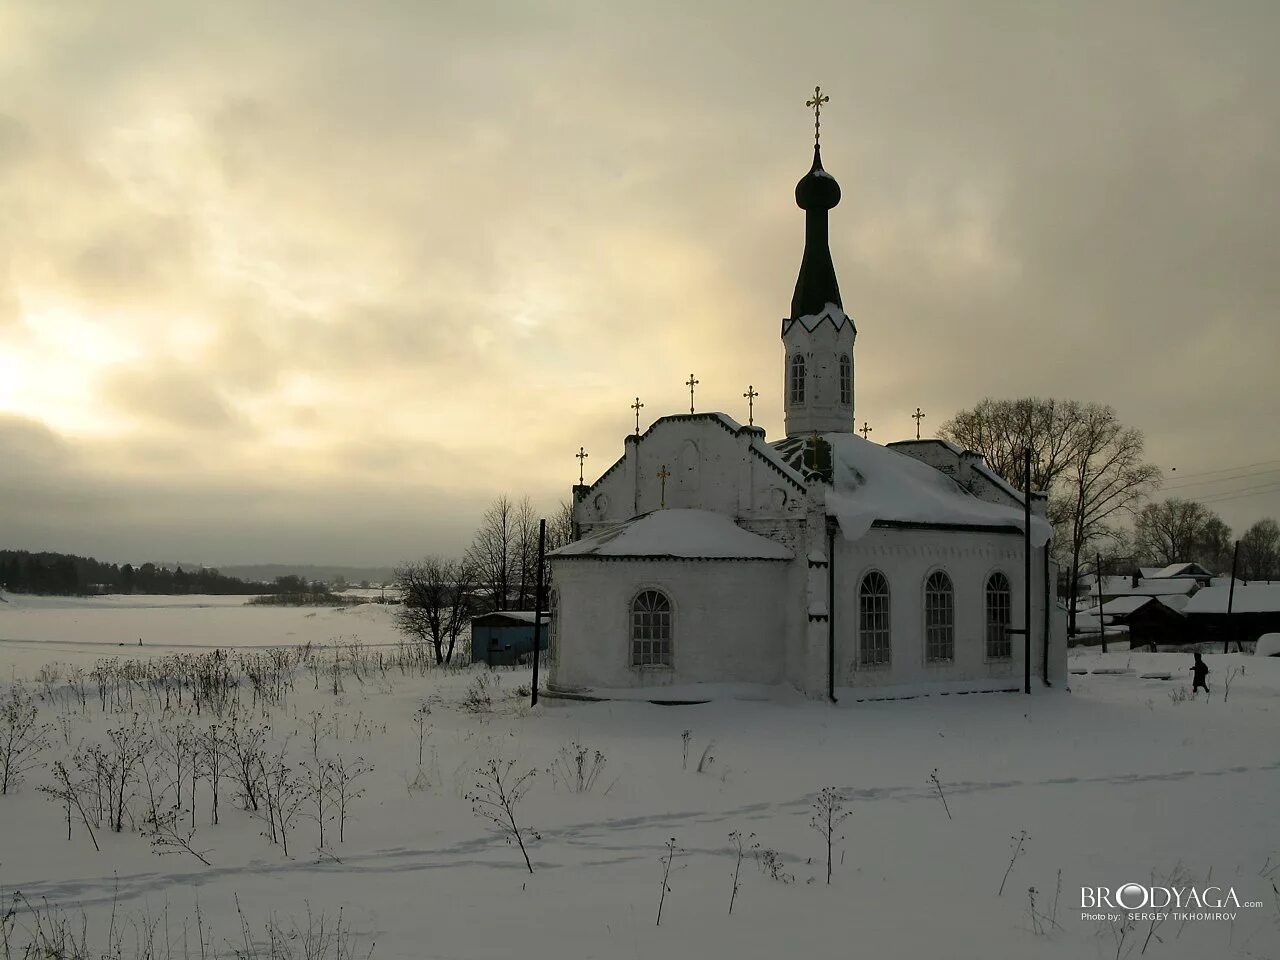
1237,494
1235,476
1240,466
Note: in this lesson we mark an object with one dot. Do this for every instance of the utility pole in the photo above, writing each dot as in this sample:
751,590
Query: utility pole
1102,626
1231,599
1026,573
538,604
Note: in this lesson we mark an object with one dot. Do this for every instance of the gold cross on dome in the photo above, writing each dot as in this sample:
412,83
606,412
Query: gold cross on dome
816,101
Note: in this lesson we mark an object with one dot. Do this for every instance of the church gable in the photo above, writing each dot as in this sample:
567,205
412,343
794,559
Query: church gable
702,461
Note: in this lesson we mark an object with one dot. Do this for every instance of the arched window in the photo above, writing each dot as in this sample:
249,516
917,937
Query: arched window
651,630
873,620
999,605
939,618
846,379
797,378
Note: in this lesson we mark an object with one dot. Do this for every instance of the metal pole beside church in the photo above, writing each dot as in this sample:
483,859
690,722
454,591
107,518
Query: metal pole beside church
537,609
1026,575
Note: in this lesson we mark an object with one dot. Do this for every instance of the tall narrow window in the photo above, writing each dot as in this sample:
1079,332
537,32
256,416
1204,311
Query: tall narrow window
846,379
651,630
939,618
797,379
999,604
873,620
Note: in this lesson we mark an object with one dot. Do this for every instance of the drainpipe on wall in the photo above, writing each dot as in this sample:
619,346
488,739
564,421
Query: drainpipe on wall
831,611
1047,621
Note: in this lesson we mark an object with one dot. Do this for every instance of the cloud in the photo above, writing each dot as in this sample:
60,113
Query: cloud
384,263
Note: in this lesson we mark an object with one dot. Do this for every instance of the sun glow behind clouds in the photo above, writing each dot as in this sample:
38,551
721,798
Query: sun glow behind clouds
48,371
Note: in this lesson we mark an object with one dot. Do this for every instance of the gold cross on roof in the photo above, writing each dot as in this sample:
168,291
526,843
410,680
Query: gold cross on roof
816,101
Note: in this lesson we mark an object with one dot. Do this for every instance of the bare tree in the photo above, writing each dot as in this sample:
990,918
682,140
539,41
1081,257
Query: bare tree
1214,547
22,738
1001,430
828,814
1167,531
1260,551
438,597
493,551
560,526
526,553
1107,478
496,796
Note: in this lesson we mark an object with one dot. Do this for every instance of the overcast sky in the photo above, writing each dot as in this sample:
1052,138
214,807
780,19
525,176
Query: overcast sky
313,282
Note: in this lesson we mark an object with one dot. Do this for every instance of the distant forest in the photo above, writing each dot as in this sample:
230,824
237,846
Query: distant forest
67,575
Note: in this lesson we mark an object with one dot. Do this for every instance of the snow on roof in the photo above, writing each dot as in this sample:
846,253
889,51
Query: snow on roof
525,615
689,534
872,483
1124,587
1149,571
1178,570
1249,598
1122,606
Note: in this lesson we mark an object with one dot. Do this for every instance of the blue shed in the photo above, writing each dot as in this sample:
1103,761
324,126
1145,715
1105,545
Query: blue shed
505,637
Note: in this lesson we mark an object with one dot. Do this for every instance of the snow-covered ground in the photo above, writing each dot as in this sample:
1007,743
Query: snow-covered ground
1119,780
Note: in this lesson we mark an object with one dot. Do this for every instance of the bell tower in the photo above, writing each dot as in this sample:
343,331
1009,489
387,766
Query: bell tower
818,336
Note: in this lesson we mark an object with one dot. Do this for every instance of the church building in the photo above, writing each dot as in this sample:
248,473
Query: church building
710,561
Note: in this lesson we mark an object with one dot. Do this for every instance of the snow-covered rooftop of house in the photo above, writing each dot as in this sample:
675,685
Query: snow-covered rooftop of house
691,534
1124,586
1177,570
1249,598
873,483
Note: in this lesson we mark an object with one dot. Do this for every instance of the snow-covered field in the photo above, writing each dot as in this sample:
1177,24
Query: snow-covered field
1119,780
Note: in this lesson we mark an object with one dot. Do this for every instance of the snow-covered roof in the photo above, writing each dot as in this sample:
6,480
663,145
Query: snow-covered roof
1124,586
527,616
872,483
685,534
1123,606
1249,598
1178,570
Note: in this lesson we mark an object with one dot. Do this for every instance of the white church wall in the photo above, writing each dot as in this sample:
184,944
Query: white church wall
822,347
907,558
709,466
728,621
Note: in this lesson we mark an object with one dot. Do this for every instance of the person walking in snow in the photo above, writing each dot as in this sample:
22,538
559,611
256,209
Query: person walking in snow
1198,672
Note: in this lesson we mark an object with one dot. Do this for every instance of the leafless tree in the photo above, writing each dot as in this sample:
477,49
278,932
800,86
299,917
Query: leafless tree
1260,551
347,775
1107,478
438,600
560,526
828,814
496,796
22,738
526,559
494,551
1170,531
1001,430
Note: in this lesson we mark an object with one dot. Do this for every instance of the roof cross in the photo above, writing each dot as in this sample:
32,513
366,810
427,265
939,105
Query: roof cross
637,406
816,101
691,383
582,457
917,417
751,395
663,473
865,430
